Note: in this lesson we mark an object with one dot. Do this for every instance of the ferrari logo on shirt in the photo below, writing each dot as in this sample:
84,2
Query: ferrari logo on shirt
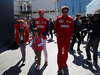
61,21
43,22
67,21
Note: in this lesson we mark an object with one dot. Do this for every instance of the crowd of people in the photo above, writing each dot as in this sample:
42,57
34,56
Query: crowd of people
66,29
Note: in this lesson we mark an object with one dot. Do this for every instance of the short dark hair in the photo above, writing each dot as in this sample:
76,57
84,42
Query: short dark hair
64,7
97,14
36,30
78,14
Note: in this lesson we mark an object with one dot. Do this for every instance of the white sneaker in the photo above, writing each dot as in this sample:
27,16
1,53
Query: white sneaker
38,67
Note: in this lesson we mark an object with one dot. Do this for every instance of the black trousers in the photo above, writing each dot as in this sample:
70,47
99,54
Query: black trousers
76,36
95,44
83,34
51,33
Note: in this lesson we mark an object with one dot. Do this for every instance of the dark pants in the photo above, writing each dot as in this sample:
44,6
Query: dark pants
23,52
83,34
38,55
95,44
51,33
76,36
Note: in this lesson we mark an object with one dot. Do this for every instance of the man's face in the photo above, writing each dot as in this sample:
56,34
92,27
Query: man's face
78,17
41,14
50,20
65,12
95,18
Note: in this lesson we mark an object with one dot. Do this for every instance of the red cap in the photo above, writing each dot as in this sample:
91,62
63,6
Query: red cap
24,19
41,10
17,20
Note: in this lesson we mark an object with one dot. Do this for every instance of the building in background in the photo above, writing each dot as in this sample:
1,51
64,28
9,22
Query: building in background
22,8
75,6
49,6
29,8
93,7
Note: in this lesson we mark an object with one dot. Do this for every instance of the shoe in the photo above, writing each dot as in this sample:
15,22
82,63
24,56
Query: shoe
38,68
87,60
72,52
95,64
65,65
60,72
46,63
35,58
79,51
23,63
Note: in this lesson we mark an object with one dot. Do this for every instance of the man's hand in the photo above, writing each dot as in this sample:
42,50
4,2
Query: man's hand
56,34
19,44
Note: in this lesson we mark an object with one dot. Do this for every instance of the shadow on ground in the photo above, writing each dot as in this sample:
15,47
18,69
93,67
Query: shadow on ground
14,70
33,70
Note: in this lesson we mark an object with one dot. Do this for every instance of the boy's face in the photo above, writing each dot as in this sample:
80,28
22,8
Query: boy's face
21,23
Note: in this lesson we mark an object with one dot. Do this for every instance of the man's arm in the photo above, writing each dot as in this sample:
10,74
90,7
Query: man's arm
72,28
56,26
34,24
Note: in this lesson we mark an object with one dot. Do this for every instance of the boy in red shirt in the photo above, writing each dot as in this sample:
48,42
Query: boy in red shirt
22,36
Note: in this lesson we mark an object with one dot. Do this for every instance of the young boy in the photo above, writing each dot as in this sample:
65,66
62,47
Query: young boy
22,36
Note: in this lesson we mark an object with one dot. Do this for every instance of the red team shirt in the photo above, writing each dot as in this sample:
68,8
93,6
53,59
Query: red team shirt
64,27
42,26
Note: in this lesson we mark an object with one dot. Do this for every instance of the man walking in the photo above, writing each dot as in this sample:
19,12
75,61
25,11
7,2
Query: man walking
94,40
77,35
64,27
43,25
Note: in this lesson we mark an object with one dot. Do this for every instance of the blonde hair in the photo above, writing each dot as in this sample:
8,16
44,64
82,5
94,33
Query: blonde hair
21,21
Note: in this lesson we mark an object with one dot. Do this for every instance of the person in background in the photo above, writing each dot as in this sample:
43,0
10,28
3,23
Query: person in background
77,35
25,21
94,40
51,25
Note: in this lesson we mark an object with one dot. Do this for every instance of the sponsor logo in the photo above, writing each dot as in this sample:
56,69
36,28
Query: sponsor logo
37,22
64,26
70,22
61,21
40,26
